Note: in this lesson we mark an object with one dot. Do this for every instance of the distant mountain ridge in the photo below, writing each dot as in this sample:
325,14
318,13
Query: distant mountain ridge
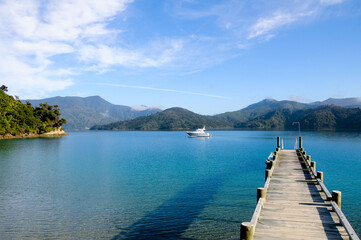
170,119
258,109
83,112
268,105
341,102
325,117
266,114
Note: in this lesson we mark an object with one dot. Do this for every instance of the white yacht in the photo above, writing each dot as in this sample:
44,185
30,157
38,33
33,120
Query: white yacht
200,132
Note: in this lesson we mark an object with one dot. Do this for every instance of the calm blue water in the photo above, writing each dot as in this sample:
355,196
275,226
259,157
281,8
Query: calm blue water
154,185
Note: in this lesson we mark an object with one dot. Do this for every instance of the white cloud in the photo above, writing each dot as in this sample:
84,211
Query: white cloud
44,48
331,2
33,32
143,108
238,24
265,25
30,82
103,56
297,98
162,90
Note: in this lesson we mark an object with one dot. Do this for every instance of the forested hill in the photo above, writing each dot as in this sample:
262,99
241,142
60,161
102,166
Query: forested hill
18,119
170,119
266,106
321,118
261,108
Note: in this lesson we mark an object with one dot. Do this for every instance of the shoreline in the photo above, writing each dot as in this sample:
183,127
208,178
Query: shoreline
52,134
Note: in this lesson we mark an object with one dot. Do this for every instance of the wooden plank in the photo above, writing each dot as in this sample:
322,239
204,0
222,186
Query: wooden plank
273,224
298,235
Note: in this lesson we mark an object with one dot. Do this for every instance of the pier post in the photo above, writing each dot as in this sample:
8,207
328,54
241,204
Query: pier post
261,193
273,163
309,158
320,176
269,164
336,197
247,231
313,165
278,142
267,174
300,142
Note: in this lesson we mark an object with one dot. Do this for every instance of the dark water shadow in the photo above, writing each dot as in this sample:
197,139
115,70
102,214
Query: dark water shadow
171,219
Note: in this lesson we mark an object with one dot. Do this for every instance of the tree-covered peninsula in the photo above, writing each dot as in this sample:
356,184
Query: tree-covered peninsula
19,119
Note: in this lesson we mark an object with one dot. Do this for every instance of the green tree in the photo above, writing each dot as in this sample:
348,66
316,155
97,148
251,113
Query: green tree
18,118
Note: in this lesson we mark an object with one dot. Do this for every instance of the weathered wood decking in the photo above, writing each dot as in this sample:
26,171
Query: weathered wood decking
294,203
295,206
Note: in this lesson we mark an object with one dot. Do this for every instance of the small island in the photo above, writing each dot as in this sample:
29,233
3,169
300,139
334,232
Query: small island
21,120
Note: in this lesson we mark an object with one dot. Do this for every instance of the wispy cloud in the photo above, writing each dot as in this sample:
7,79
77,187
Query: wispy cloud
161,90
331,2
297,98
237,25
33,33
101,56
264,26
44,44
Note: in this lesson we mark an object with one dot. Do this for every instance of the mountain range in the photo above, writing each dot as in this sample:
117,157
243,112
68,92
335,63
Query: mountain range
325,117
98,114
83,112
170,119
266,114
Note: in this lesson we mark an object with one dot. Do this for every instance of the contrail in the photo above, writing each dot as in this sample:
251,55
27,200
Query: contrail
161,89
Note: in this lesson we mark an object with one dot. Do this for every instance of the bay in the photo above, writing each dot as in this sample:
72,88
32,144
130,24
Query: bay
155,185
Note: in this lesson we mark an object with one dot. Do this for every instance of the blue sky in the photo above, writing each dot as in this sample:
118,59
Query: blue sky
206,56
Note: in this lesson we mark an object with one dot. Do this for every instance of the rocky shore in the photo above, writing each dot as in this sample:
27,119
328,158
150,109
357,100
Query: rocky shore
56,133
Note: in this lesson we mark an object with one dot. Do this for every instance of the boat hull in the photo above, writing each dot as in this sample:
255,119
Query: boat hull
197,134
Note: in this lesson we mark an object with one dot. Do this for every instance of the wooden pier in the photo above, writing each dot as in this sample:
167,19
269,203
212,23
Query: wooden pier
294,203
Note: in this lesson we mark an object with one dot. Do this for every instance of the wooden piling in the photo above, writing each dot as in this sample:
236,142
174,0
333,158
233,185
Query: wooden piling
300,142
278,142
261,193
267,174
336,197
273,163
308,157
320,176
247,231
313,165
